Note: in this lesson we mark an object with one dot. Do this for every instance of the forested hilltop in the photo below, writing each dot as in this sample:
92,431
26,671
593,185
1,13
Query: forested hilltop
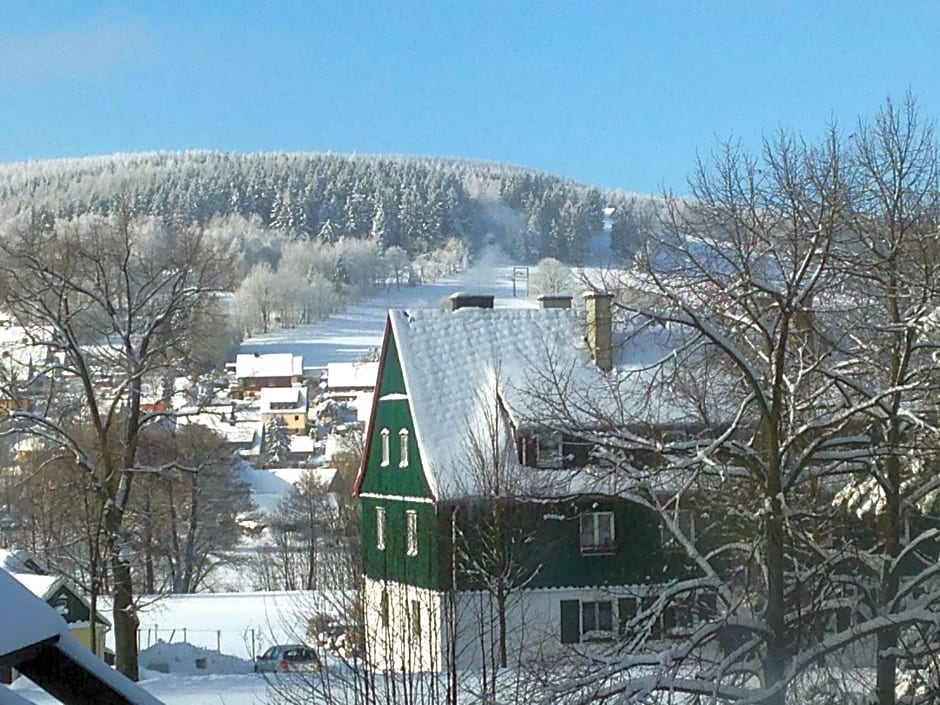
413,203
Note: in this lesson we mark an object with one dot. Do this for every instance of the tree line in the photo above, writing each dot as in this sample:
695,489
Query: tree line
413,203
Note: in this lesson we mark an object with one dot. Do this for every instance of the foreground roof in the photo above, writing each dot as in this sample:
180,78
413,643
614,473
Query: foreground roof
36,641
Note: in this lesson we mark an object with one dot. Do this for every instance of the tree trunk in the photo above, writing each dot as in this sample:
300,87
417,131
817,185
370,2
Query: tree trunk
776,661
125,617
501,609
886,663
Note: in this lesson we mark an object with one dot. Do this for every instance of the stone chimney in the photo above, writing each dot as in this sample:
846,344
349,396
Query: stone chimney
461,300
597,308
554,301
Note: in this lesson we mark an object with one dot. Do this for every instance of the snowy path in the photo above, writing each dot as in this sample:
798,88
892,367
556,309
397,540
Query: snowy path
343,337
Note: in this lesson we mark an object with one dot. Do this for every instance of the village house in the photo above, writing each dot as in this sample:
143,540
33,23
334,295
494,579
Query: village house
254,371
486,534
345,381
286,404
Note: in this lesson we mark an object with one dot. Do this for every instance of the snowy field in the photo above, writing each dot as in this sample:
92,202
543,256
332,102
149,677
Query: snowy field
344,336
238,624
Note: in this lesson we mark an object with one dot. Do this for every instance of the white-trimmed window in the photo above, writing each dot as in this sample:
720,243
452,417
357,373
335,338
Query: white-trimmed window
403,440
597,617
384,447
416,619
597,533
411,532
380,528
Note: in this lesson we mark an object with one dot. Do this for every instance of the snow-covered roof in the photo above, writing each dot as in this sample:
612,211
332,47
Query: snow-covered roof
352,375
28,621
240,431
18,561
41,586
302,444
295,396
454,362
249,366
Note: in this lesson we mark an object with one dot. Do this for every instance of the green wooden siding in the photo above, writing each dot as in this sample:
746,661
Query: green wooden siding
551,536
394,563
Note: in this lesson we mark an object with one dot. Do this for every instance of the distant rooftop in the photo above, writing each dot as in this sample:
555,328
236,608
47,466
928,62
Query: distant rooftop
249,366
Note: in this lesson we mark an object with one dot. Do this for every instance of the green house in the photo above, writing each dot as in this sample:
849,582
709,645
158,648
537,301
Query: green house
487,534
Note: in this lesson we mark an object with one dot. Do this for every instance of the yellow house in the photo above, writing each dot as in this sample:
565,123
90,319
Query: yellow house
289,404
55,591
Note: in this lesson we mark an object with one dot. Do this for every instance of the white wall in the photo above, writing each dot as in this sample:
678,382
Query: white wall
533,630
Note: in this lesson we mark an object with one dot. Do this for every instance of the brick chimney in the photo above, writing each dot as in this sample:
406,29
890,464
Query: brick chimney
597,308
461,300
554,301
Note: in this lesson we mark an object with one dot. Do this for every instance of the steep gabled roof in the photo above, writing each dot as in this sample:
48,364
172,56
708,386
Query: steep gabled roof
460,366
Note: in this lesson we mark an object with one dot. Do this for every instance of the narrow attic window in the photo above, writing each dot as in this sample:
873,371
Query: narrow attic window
384,447
411,532
403,438
380,528
597,533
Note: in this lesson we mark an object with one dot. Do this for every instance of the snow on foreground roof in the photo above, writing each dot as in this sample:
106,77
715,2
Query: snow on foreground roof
453,362
27,620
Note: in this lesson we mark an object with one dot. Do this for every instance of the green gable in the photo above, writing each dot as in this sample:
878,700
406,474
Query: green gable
393,415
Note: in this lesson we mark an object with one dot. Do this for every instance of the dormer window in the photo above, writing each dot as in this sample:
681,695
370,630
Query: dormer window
403,439
384,447
597,533
552,450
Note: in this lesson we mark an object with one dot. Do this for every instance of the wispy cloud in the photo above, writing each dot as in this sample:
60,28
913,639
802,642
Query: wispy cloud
80,51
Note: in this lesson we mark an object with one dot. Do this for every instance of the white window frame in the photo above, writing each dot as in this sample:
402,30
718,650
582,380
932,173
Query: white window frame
403,441
411,532
384,433
596,548
595,608
380,528
415,615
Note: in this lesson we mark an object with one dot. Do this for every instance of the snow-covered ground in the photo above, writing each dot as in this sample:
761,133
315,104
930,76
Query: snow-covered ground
238,624
347,335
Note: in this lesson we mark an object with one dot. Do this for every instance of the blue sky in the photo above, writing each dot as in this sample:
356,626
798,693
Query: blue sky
614,93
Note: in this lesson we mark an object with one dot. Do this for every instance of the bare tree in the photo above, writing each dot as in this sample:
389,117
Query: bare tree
735,407
890,360
551,277
116,299
184,517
